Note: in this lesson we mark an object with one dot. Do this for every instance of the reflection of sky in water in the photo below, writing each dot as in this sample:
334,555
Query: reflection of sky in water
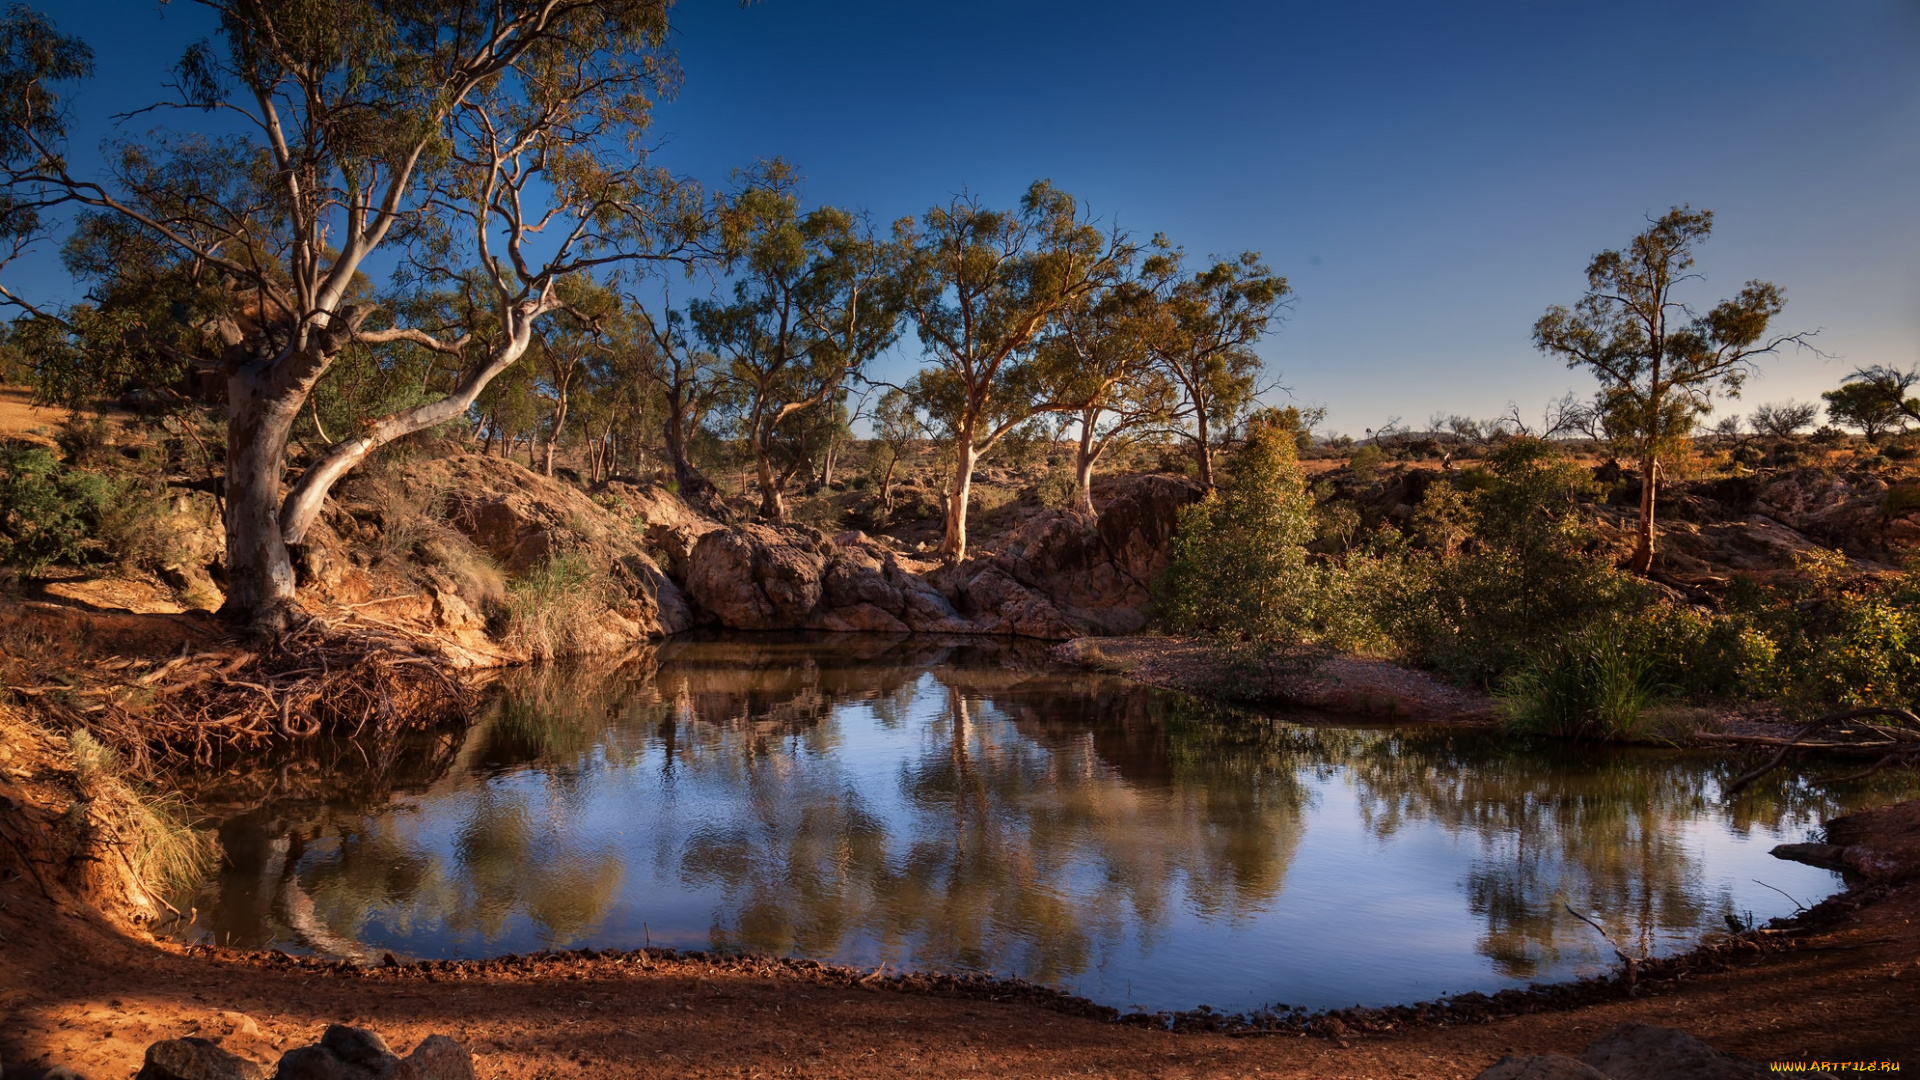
1134,846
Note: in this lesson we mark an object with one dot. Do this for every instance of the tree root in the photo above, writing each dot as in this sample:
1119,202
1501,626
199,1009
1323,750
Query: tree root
309,681
1895,737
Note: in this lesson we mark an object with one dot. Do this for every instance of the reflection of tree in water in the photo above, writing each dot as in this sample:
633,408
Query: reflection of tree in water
1601,828
1039,816
1020,847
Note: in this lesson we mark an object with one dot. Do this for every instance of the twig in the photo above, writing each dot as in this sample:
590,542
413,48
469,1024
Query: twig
1798,907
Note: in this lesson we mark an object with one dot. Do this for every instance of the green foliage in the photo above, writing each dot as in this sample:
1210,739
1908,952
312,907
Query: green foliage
1365,463
1527,576
1057,490
1836,638
52,513
1593,684
1239,568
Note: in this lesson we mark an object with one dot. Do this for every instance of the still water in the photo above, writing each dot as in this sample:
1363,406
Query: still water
967,807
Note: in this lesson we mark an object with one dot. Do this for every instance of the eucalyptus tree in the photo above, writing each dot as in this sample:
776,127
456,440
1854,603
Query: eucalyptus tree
499,139
897,426
1095,368
1875,399
979,285
1859,402
567,341
1210,321
1659,361
687,380
810,309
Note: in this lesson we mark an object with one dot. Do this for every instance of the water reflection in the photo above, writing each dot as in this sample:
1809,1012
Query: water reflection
964,806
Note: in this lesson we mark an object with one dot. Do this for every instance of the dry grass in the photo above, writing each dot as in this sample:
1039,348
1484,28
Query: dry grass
168,853
551,608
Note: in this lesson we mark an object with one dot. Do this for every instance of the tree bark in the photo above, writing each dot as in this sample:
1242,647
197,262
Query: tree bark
1083,463
1203,447
691,482
953,546
772,507
1649,484
260,581
553,433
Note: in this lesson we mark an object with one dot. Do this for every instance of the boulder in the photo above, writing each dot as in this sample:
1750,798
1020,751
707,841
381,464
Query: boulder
1080,577
1540,1067
790,577
348,1053
195,1059
1879,845
758,577
1058,576
1646,1052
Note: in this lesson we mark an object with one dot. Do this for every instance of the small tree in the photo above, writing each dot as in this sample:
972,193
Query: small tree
1240,569
1095,367
1659,361
1875,399
896,428
1784,419
809,310
686,379
979,284
1209,323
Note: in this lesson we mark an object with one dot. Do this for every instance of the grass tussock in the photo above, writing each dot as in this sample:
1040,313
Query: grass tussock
415,543
168,853
1596,685
551,610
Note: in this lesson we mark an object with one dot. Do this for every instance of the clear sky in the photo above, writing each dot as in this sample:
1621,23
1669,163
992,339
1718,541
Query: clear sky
1430,177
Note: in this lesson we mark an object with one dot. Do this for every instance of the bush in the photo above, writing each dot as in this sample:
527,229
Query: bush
1239,569
1593,685
1525,579
1365,463
52,513
1057,490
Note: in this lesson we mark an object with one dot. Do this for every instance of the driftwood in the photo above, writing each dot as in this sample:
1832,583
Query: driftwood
1888,732
312,681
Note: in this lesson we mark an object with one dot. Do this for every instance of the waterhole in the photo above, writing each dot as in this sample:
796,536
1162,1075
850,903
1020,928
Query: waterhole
968,807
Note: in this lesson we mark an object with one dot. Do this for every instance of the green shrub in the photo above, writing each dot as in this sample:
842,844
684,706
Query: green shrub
1365,463
52,513
1598,684
1239,569
1058,490
1526,577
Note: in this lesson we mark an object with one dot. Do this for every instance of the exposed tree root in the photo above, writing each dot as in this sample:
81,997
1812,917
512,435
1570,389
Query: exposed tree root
311,681
1888,732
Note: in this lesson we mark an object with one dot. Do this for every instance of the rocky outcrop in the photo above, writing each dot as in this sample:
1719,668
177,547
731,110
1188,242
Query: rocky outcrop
1082,579
518,519
1057,576
790,577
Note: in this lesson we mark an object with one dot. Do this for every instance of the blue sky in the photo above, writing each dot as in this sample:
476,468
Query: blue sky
1429,177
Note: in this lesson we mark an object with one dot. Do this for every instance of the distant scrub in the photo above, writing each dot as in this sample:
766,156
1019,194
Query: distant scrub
1495,584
